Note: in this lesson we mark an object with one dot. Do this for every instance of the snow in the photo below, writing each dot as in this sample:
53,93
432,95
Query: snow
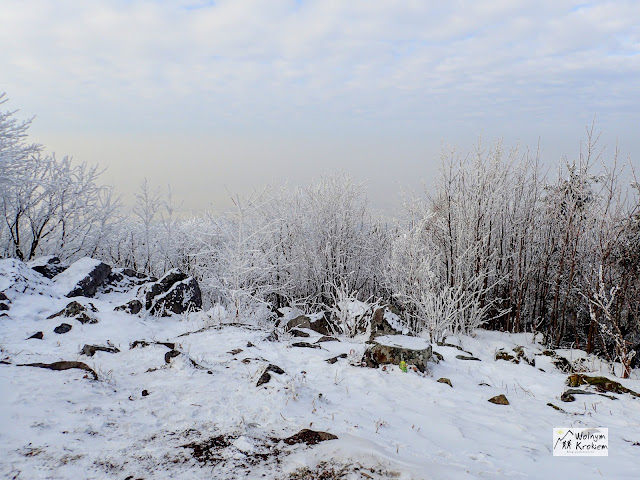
61,425
403,341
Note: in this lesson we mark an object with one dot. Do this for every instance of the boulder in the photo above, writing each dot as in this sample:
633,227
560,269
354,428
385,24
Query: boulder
48,267
132,307
175,292
82,278
37,335
385,322
77,311
393,349
62,328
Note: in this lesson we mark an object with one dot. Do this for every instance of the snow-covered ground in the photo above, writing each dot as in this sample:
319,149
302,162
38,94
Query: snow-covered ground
214,422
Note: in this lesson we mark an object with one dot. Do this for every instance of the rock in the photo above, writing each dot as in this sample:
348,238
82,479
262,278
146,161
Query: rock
16,278
124,280
62,328
602,384
555,408
170,354
77,311
37,335
562,364
82,278
264,378
567,397
249,345
333,360
299,333
327,339
132,307
175,292
144,343
145,393
304,345
464,357
3,297
301,321
63,365
4,306
503,355
521,354
438,357
235,351
90,350
309,437
499,400
275,369
321,326
445,380
393,349
385,322
48,267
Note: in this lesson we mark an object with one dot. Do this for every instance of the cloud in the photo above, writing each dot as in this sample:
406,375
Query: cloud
381,67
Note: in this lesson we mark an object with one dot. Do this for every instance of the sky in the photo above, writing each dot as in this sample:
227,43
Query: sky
220,97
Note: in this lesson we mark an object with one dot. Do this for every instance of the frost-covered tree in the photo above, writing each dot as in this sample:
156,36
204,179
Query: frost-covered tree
48,205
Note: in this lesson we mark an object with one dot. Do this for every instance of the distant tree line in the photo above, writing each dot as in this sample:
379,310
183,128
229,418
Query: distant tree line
498,242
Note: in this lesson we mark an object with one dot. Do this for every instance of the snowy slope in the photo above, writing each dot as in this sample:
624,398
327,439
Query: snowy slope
65,425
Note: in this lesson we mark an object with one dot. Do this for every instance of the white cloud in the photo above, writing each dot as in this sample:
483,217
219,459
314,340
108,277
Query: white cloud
371,65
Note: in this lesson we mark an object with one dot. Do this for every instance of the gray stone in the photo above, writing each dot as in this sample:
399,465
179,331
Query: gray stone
380,354
62,328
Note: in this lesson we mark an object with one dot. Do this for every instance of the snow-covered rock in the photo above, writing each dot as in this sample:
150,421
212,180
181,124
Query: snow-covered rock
17,278
48,266
393,349
82,278
175,292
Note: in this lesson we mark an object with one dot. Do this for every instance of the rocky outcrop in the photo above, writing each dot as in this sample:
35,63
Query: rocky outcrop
82,278
393,349
125,280
48,267
175,292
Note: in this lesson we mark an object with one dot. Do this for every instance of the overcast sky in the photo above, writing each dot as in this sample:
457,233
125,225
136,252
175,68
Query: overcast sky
229,95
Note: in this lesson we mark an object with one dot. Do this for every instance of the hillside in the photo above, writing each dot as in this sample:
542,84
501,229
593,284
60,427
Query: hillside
177,397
